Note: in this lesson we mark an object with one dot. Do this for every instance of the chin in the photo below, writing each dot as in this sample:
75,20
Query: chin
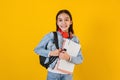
64,30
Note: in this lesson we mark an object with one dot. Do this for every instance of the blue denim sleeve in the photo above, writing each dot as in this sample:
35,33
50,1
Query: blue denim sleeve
79,58
40,49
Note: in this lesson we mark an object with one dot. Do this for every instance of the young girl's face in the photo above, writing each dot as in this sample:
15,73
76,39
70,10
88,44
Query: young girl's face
64,22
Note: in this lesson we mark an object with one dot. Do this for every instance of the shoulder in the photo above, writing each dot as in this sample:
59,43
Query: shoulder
48,35
75,39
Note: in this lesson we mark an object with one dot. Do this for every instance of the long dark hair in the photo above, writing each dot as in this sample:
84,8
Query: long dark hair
68,13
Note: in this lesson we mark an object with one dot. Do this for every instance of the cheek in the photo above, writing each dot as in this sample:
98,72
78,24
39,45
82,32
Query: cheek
69,22
58,23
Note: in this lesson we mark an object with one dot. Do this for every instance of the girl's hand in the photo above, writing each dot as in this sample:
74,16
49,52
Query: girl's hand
64,55
55,52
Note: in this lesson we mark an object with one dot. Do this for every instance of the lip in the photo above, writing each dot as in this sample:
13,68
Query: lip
63,26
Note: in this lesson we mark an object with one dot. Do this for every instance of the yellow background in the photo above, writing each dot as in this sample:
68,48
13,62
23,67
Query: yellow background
23,23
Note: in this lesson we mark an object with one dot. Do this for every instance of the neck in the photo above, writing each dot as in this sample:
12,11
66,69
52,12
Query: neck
65,34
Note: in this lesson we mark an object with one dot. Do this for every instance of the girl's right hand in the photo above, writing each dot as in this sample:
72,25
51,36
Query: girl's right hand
55,52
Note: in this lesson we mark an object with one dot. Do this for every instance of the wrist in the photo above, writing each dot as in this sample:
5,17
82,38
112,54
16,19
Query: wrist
51,53
68,59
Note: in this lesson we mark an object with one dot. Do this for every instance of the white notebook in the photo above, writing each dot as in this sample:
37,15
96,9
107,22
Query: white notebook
73,49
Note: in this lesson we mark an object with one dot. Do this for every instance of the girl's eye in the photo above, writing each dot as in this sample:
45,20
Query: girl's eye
60,20
66,20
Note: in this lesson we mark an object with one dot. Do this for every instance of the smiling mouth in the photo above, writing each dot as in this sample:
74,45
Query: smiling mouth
63,26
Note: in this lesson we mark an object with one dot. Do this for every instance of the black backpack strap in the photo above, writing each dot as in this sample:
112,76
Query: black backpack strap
53,58
56,39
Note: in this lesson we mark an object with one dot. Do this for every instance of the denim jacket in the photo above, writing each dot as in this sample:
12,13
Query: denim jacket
48,40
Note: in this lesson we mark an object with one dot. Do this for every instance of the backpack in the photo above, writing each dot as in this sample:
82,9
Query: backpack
51,58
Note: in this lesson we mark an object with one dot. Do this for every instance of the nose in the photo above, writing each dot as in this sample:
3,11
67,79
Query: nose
64,22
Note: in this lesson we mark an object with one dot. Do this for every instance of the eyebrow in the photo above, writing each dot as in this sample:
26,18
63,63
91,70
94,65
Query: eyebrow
65,17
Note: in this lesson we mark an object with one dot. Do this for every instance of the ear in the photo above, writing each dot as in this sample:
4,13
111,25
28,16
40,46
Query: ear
71,22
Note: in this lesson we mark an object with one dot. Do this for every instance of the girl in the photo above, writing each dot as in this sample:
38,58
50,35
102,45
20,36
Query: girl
64,29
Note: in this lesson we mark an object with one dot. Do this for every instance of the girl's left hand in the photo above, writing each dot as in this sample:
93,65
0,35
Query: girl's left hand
64,55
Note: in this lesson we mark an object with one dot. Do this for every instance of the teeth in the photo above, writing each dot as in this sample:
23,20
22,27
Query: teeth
63,26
